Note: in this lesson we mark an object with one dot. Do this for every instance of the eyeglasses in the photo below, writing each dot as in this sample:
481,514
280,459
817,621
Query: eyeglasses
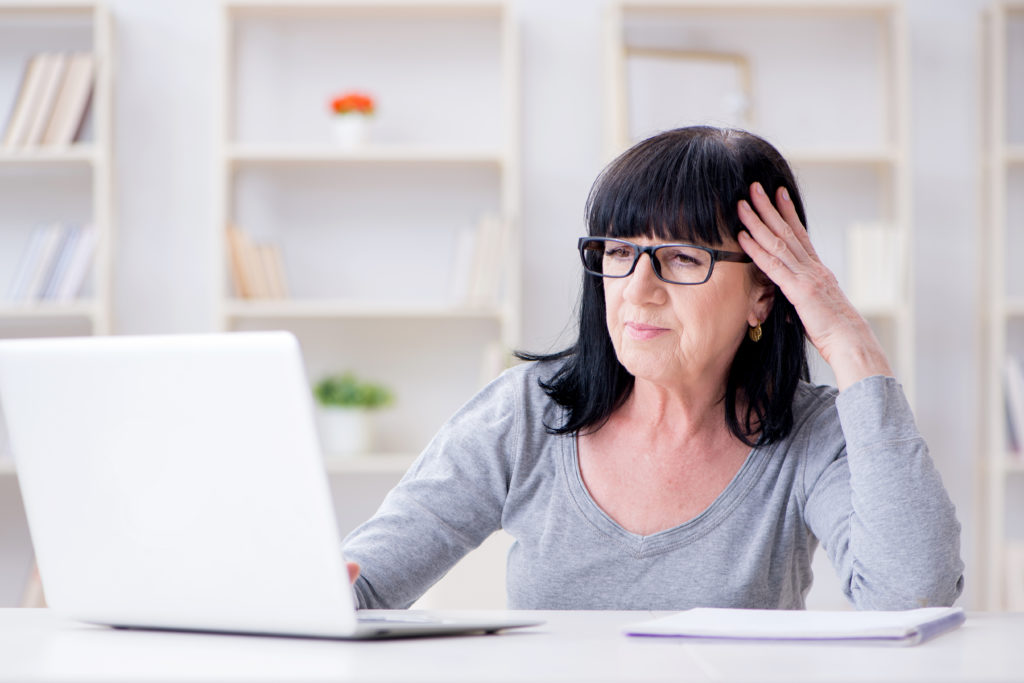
677,264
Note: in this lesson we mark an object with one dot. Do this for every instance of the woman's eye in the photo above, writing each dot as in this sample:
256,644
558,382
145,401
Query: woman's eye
684,260
618,252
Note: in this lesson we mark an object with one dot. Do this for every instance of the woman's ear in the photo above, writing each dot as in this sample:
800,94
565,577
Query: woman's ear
762,298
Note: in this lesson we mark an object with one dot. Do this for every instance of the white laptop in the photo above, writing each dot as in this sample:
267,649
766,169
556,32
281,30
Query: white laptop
176,482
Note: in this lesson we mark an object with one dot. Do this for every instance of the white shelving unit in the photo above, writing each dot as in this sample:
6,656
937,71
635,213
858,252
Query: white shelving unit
1003,521
46,185
824,81
370,235
69,184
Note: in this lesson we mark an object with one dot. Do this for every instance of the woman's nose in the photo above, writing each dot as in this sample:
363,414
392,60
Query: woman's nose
643,282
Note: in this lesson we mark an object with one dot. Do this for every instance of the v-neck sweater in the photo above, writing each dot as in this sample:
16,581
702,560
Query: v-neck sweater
854,474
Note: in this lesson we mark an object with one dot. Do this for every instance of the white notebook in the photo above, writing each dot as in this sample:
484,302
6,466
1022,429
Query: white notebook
908,627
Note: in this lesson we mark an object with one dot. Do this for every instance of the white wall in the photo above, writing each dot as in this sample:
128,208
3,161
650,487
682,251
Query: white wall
166,118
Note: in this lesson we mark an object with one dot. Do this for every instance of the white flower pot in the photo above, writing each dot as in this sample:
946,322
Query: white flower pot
345,431
349,130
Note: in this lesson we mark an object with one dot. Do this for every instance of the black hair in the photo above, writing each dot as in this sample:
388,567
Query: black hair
684,185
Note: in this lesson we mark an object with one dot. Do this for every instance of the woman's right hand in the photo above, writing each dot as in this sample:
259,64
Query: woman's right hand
353,571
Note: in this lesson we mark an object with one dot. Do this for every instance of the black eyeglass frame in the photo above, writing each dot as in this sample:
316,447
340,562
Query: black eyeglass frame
638,250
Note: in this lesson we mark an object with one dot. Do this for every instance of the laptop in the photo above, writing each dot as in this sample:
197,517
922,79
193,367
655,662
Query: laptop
176,482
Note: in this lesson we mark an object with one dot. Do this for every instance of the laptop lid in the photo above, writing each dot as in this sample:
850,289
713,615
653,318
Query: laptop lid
176,482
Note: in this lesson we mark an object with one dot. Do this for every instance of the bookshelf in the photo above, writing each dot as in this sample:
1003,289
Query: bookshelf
1003,468
64,183
369,235
61,179
760,65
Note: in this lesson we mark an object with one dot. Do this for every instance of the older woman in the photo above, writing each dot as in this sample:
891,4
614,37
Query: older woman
675,455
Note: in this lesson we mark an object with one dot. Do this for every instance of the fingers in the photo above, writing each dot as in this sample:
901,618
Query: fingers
787,209
777,234
353,571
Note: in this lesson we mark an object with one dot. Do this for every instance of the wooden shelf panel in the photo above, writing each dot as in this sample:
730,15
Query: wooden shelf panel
264,8
1014,154
306,154
44,309
842,157
311,308
75,154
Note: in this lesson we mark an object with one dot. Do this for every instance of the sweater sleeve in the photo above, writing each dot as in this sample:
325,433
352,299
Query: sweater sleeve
879,507
447,504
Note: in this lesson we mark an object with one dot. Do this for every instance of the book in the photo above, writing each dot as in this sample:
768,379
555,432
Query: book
906,627
463,254
1014,386
44,261
56,65
874,252
486,267
24,108
65,255
27,265
241,278
273,267
72,102
80,260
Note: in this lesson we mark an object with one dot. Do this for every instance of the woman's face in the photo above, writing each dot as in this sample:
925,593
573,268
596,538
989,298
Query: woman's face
683,335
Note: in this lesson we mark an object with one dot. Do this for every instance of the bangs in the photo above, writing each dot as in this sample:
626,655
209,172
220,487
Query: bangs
682,186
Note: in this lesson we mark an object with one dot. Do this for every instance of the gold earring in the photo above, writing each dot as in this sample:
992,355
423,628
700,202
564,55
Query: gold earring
755,333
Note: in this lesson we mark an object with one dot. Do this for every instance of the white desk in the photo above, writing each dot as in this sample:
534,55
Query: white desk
573,646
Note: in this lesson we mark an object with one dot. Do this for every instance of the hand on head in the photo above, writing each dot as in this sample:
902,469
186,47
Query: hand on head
778,242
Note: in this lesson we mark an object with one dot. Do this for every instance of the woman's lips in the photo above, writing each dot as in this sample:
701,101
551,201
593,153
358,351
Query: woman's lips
641,331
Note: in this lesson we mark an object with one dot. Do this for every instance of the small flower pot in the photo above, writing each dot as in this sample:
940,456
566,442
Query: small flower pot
345,432
349,130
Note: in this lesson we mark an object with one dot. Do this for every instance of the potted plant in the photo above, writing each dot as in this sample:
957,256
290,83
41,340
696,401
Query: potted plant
345,406
351,111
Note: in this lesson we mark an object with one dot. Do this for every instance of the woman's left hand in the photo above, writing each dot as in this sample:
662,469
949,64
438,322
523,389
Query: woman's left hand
780,247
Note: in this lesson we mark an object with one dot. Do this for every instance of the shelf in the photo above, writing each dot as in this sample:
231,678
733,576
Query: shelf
745,6
1014,154
842,157
1010,463
263,8
75,154
309,154
311,308
44,309
1014,307
370,463
893,311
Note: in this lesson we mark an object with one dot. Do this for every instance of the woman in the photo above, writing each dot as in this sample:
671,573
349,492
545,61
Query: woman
675,456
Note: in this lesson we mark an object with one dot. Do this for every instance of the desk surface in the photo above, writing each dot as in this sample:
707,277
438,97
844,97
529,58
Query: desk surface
572,646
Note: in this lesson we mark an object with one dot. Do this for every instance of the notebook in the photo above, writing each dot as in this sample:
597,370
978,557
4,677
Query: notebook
908,627
176,482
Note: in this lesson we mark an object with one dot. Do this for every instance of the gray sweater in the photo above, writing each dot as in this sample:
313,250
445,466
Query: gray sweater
854,473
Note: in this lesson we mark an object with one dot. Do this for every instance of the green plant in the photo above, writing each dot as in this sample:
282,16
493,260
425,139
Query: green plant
348,391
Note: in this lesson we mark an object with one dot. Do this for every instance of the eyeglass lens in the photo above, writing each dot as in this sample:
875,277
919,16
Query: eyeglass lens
675,263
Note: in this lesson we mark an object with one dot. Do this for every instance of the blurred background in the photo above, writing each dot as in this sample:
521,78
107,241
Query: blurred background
402,184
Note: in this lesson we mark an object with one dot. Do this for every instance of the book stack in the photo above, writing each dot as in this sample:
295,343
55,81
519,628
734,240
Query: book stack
479,264
52,101
875,252
54,264
257,269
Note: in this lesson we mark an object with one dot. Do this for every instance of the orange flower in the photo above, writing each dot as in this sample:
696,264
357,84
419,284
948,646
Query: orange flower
352,103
